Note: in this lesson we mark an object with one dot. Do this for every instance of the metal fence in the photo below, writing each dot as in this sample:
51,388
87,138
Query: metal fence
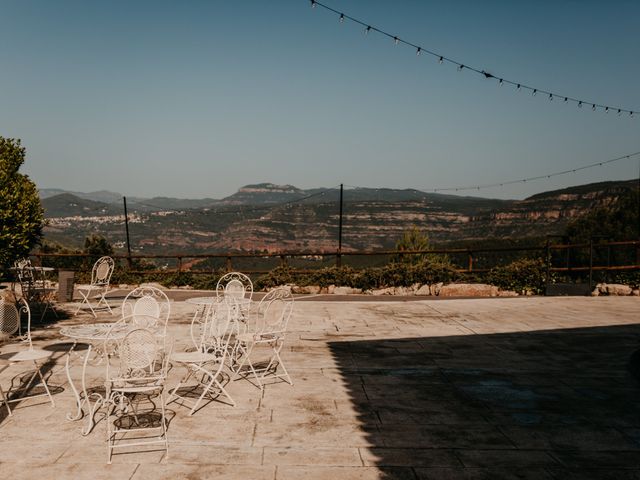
563,258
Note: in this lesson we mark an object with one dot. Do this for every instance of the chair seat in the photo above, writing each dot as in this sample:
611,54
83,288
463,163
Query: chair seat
30,355
253,337
193,357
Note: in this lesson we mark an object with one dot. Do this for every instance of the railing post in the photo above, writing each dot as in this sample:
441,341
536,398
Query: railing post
547,250
590,264
179,264
229,265
470,253
283,260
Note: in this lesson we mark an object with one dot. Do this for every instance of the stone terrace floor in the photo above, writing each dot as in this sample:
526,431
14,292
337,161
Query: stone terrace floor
527,388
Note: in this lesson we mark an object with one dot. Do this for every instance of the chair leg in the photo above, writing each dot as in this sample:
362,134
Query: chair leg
247,360
44,384
4,398
103,299
85,299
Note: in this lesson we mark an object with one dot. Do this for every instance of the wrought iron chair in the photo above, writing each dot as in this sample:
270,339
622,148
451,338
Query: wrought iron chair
206,362
148,301
10,317
141,371
33,287
269,331
100,278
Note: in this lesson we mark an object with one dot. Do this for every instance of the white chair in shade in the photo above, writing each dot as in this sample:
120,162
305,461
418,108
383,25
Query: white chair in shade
136,373
271,321
100,278
10,317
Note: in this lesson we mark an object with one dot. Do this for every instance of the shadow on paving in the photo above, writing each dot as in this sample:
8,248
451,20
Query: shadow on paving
557,404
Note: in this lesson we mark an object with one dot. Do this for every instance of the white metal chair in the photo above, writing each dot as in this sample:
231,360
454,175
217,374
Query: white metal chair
10,316
100,278
236,285
148,301
141,370
205,364
269,331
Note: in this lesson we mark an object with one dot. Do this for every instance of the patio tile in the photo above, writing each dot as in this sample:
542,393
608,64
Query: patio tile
303,456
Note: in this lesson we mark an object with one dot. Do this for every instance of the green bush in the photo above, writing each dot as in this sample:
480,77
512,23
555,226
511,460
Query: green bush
526,275
391,275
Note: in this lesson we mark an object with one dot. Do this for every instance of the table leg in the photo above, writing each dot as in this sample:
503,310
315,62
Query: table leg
79,400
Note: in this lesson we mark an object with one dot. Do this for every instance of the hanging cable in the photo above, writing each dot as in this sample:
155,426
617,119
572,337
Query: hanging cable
461,66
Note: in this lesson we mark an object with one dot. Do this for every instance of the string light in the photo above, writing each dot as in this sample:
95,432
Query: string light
529,179
441,58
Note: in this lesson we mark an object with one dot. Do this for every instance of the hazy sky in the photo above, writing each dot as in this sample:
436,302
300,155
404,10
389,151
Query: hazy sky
197,98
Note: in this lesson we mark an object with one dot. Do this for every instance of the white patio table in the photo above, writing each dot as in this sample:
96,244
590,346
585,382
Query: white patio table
95,336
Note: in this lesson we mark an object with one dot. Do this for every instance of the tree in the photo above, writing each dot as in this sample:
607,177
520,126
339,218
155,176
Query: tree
413,239
21,215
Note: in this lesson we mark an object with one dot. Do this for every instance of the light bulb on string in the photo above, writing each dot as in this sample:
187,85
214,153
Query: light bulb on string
551,97
418,50
619,112
593,107
460,67
440,60
631,114
535,90
566,99
518,87
395,40
580,104
500,82
368,29
313,3
606,110
342,18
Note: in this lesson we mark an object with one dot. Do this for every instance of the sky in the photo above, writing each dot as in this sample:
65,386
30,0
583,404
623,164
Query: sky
198,98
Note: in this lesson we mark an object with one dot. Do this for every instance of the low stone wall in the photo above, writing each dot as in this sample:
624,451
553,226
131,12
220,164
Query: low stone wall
436,289
615,289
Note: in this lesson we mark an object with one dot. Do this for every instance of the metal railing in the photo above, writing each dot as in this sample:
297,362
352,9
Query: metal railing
571,261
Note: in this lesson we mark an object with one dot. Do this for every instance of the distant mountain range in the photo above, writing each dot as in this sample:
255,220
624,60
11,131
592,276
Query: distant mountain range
280,217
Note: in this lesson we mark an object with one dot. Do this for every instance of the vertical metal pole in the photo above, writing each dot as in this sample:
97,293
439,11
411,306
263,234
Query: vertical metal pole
126,226
339,255
590,264
548,262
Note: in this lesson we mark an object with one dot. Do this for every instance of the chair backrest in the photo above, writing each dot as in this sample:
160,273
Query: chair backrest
26,278
235,284
217,332
148,301
102,271
9,318
274,311
139,357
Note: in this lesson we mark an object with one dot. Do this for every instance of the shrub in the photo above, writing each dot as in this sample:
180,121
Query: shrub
526,275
